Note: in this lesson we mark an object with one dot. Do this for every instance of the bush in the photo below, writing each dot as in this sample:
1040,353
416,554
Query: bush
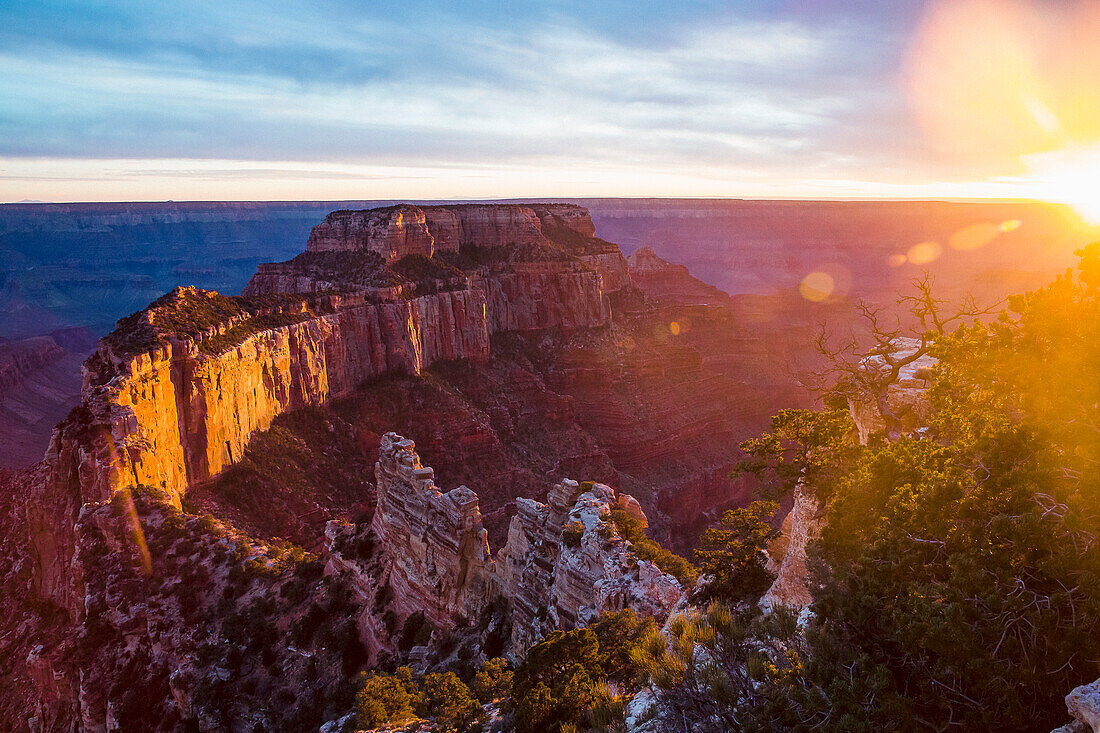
447,700
734,553
651,551
493,680
385,699
571,534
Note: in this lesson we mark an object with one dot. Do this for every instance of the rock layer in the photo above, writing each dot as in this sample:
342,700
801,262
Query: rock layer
172,406
439,555
563,565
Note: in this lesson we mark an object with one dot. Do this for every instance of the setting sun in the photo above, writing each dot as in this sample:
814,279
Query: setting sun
1070,176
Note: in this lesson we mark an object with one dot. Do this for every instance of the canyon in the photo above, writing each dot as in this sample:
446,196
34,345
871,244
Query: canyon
80,267
180,393
226,448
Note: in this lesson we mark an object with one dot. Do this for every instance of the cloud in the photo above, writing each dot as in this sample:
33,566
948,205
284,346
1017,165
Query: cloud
770,90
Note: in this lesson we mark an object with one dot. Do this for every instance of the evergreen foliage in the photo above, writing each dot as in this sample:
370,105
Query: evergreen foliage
734,553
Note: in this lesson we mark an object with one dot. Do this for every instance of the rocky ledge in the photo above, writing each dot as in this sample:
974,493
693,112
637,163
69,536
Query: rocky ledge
565,561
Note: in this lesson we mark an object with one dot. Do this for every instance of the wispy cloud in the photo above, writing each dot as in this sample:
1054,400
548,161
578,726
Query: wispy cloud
769,91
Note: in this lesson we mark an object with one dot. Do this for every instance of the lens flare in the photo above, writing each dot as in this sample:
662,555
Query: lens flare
974,236
897,260
817,286
925,252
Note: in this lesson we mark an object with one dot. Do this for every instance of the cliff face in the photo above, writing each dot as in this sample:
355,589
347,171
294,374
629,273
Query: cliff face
179,414
184,410
439,555
563,565
173,396
791,586
539,266
397,231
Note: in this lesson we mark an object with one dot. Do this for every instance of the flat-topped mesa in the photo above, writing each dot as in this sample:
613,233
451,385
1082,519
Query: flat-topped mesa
394,232
448,247
564,562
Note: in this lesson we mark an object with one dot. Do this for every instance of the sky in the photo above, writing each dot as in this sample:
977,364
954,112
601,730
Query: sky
333,99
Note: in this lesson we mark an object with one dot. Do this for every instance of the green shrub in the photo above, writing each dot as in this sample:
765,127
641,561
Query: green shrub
444,698
492,681
734,553
646,549
571,534
385,699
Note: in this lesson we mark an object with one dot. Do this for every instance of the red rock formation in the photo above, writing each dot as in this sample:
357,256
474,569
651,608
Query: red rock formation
396,231
438,561
666,281
392,232
438,554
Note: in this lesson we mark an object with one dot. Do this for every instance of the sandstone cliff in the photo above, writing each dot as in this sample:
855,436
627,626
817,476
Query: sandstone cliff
538,266
791,587
439,556
173,396
563,565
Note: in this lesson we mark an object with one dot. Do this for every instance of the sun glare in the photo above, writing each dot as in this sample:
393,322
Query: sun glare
1069,176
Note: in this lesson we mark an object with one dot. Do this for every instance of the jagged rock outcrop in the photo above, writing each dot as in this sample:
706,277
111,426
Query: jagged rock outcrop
439,556
1084,706
564,562
791,586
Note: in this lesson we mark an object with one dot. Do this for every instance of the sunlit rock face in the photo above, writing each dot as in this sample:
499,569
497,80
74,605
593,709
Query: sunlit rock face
183,411
564,562
392,232
791,587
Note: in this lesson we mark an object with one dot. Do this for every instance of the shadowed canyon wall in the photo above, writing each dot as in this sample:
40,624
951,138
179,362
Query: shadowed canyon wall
174,395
